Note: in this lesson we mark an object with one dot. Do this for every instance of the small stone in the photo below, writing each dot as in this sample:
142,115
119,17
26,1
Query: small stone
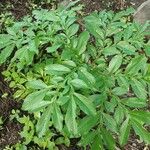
143,12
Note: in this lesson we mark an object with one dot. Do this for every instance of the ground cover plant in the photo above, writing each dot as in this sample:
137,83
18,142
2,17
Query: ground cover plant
83,77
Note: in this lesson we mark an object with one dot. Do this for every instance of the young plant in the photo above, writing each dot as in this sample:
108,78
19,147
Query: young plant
94,78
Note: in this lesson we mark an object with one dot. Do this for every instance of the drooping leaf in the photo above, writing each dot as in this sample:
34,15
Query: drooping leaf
85,104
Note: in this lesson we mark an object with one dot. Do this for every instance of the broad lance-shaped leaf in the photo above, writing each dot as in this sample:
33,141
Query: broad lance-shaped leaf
57,117
112,50
110,123
124,132
5,40
139,89
43,122
108,138
73,29
34,101
142,116
82,42
90,78
53,48
87,123
126,47
57,69
141,131
119,115
6,52
36,84
135,102
97,143
87,138
85,104
70,118
135,65
115,63
78,83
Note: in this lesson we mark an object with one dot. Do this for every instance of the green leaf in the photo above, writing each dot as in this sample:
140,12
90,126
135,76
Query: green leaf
97,143
142,132
53,48
82,42
147,49
112,50
110,123
34,101
119,115
43,122
85,104
119,91
4,40
135,65
126,47
135,102
69,63
123,81
108,139
36,84
87,139
87,123
90,78
124,132
70,118
6,52
142,116
57,69
33,45
57,117
139,89
115,63
80,84
72,30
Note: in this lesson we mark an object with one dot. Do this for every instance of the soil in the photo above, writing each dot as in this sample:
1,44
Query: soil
10,132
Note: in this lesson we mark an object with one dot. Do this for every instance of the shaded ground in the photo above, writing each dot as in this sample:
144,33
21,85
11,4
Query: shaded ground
19,8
